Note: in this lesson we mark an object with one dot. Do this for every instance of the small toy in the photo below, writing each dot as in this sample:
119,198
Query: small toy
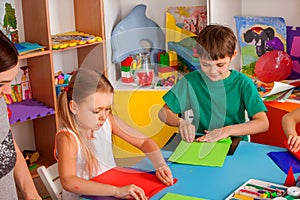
167,82
31,156
61,80
8,99
290,179
25,84
168,64
164,59
17,91
126,74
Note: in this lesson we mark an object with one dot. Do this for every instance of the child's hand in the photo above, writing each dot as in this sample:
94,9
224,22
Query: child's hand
212,136
294,143
187,131
164,174
131,192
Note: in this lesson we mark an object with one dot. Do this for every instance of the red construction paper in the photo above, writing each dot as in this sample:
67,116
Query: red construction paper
123,176
296,154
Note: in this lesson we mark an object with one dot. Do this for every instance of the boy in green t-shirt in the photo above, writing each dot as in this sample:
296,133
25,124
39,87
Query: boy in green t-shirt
217,95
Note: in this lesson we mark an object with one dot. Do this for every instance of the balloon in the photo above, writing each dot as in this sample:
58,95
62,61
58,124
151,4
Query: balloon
273,66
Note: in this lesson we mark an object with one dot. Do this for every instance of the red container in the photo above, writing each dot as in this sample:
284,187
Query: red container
145,78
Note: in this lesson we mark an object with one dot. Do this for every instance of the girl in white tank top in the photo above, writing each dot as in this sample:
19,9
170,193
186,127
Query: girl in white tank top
84,142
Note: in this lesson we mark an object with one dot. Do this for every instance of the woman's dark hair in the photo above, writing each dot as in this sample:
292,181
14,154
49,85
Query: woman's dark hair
8,53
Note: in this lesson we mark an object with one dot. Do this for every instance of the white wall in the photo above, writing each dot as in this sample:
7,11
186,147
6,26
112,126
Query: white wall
111,18
288,9
222,12
24,135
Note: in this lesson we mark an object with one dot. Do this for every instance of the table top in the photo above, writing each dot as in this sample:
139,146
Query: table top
250,161
285,106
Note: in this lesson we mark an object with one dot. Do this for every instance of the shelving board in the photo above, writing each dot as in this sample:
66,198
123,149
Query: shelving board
28,110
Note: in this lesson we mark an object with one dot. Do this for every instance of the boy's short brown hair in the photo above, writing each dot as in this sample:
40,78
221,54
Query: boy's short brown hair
217,40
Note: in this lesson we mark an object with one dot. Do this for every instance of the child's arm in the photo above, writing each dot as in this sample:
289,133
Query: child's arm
145,144
259,123
289,122
67,148
186,130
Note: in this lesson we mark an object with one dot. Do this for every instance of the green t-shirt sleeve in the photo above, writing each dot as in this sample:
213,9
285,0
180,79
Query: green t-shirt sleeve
252,99
177,98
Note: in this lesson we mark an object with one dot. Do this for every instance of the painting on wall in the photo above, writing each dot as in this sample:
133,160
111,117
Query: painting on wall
8,20
293,49
193,18
184,21
258,35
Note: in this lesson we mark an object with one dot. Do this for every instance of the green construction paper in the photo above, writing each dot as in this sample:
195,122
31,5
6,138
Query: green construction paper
201,153
173,196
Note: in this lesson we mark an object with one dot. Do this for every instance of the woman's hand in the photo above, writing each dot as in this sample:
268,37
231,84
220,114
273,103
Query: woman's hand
187,130
131,192
164,174
294,143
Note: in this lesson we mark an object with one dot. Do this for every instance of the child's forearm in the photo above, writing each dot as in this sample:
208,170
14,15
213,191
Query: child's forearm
289,125
157,159
153,152
248,128
86,187
168,117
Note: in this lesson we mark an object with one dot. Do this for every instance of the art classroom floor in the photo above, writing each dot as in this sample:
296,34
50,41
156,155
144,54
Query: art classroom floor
122,162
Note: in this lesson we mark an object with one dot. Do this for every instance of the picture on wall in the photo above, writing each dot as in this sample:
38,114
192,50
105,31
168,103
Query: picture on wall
8,20
258,35
189,18
293,44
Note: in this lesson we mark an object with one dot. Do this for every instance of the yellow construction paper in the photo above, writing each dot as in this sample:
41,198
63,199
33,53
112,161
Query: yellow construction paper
202,153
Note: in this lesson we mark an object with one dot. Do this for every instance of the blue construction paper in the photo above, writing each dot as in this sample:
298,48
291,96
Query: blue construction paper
284,160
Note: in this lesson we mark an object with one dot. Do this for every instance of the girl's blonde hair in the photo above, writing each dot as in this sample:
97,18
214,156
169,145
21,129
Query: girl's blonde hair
83,83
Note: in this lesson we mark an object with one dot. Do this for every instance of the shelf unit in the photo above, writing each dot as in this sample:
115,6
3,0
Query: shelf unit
36,24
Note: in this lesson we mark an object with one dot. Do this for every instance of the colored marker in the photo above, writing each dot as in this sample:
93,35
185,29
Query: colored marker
260,187
252,193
